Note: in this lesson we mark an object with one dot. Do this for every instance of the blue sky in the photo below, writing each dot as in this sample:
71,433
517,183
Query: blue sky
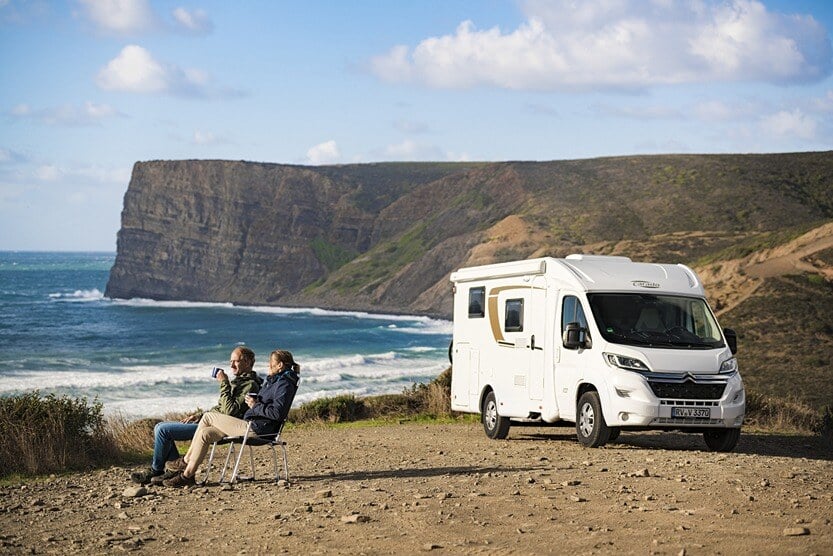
90,87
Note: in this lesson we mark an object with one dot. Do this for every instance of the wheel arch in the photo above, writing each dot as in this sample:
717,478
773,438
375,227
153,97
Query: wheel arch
483,393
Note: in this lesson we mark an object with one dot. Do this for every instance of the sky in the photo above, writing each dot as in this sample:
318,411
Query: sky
90,87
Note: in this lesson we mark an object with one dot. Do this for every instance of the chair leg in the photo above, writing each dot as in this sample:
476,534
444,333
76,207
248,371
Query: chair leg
275,462
208,465
228,458
237,463
285,463
252,460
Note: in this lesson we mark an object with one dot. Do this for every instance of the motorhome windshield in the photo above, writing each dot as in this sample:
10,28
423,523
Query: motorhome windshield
655,320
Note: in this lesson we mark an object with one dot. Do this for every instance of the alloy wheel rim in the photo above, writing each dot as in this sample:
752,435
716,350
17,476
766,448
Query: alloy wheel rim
587,419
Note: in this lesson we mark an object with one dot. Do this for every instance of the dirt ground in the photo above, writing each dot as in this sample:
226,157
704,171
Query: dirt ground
412,488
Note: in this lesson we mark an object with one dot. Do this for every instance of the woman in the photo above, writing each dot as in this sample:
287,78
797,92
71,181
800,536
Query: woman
232,402
266,411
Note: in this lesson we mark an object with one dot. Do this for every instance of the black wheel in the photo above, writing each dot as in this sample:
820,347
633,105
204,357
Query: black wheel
591,429
450,351
614,433
496,427
722,440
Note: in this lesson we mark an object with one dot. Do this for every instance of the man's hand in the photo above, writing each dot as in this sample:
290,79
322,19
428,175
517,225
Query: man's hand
191,418
221,375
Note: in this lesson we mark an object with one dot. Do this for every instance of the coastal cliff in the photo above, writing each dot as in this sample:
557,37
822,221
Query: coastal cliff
384,237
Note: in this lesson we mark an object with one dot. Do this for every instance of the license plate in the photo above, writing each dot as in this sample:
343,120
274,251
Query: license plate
691,412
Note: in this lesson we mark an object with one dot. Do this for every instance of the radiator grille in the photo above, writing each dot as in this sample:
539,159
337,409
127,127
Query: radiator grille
687,390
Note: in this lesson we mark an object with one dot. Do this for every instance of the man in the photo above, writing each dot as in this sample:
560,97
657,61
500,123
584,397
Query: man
232,402
267,411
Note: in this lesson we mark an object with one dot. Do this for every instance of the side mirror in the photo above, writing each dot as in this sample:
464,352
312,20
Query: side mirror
571,338
731,340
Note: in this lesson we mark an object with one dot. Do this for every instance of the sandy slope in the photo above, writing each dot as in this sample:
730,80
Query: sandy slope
729,283
413,488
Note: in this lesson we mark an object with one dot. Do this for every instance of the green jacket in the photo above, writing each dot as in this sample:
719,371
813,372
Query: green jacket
233,394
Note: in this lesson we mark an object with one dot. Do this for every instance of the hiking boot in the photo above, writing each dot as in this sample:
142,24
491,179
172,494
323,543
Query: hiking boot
159,479
176,465
179,481
144,477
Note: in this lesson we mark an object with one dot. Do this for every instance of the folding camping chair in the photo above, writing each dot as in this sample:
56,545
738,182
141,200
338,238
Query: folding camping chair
271,440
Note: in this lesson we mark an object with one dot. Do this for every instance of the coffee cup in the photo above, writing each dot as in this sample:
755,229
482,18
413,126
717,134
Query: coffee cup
214,372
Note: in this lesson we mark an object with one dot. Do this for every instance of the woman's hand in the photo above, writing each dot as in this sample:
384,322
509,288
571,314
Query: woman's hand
251,400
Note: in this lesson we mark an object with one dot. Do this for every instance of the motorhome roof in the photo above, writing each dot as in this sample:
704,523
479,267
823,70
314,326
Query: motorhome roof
594,273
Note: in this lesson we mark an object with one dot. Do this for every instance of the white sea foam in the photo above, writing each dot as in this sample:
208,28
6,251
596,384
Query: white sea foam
151,390
78,295
427,325
142,302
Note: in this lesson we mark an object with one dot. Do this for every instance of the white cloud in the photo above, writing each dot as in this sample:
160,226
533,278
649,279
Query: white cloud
790,124
122,17
411,150
626,44
48,173
825,103
51,173
89,113
8,156
324,153
202,137
196,22
645,112
407,126
135,70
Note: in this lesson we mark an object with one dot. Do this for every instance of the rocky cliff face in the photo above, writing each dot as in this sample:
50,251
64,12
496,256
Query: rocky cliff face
250,233
384,237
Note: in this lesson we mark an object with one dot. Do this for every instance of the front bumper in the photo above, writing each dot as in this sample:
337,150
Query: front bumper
633,403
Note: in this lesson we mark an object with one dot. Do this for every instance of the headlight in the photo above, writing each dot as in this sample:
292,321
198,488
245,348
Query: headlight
729,366
625,362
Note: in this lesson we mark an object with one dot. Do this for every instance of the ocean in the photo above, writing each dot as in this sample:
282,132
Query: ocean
144,358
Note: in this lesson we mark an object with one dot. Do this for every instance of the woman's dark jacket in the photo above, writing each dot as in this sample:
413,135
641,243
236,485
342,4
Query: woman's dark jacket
275,399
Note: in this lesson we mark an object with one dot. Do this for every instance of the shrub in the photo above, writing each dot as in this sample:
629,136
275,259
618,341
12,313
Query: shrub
789,415
51,434
334,410
132,437
433,399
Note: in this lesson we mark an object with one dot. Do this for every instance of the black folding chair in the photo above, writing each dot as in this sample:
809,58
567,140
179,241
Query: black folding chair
249,440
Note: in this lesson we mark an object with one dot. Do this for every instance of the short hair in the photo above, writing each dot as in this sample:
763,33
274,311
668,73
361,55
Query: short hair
247,354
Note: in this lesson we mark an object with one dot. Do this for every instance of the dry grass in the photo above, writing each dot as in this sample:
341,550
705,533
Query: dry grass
50,434
786,415
47,435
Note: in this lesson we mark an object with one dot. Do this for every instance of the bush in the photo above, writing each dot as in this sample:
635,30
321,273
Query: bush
51,434
433,399
334,410
788,415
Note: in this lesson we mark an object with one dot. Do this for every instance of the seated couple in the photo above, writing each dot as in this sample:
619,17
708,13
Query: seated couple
267,410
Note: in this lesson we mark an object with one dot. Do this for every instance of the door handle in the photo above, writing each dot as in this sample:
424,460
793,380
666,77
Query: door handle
532,342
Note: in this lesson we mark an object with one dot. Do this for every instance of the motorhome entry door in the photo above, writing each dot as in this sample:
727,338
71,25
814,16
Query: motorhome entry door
537,336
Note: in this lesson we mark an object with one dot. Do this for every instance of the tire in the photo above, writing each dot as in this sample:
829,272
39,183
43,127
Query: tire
721,440
495,426
591,428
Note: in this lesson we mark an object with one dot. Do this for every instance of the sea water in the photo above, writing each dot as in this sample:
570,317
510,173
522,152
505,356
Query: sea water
143,358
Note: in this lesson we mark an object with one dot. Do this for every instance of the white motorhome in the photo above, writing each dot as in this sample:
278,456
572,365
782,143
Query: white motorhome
603,342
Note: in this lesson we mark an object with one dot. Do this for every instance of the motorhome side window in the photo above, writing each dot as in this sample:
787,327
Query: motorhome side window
477,298
514,317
